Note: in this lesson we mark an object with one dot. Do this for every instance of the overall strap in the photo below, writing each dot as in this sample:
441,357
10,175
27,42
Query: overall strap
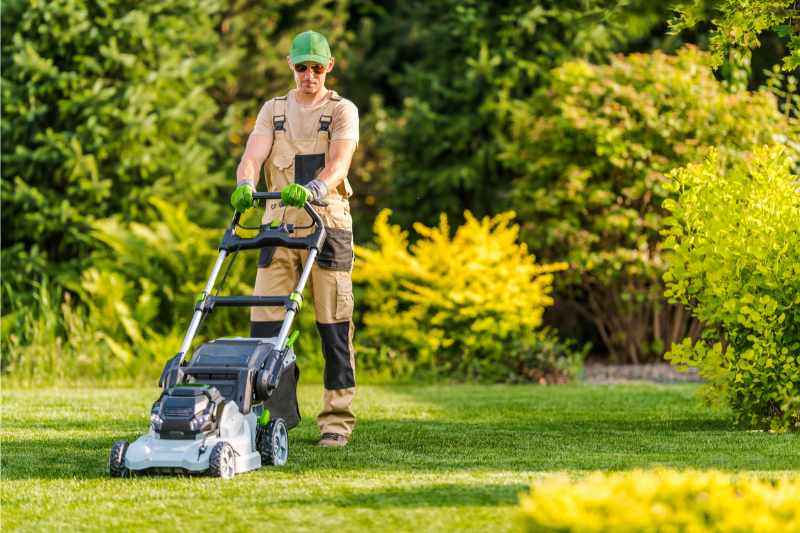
325,121
327,114
279,114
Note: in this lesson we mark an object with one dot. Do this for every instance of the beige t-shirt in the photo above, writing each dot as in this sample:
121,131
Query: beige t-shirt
302,122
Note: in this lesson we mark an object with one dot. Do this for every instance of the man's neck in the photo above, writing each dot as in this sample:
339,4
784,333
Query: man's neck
310,99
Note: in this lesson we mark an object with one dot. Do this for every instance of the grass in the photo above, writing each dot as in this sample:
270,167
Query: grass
424,458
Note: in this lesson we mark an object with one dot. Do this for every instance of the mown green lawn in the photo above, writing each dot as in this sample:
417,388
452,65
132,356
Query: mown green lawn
424,458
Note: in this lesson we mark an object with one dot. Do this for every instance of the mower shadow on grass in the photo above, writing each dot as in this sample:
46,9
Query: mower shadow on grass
442,495
55,458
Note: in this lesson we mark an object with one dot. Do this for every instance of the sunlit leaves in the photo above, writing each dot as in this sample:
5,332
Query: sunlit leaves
734,241
463,305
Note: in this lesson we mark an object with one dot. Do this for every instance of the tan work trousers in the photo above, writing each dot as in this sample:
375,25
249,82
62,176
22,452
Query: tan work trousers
332,293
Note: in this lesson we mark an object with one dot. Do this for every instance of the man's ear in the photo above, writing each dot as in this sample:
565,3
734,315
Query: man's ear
330,65
289,62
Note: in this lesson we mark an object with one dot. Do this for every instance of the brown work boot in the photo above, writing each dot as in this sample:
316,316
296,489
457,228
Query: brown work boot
332,440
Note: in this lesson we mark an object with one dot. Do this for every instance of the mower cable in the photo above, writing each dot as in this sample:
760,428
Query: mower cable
227,271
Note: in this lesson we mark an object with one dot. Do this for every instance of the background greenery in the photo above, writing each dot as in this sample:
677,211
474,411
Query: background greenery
591,151
123,123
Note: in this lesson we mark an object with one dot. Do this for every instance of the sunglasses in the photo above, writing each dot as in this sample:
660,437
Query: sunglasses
316,68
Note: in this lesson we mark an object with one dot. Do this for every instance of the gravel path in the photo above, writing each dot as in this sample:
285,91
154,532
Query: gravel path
654,373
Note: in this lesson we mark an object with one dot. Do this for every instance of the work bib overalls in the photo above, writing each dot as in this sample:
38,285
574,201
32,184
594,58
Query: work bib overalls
294,160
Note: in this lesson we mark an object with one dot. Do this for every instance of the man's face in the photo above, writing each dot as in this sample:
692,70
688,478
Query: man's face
310,76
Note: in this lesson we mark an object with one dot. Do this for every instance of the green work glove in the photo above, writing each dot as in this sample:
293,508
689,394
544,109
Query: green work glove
242,197
295,195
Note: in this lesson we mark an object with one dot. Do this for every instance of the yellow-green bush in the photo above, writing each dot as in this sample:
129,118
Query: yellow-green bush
469,305
734,238
662,500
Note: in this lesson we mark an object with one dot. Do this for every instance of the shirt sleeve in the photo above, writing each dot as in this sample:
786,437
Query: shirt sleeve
263,124
345,122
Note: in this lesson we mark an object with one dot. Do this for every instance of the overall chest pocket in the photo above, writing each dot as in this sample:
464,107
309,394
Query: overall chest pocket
307,167
281,167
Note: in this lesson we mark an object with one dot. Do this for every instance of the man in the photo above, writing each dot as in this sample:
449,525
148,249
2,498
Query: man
307,139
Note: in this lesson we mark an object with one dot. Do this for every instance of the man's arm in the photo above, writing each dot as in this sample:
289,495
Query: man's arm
256,152
336,169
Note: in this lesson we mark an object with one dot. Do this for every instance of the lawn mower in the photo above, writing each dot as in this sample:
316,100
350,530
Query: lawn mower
229,407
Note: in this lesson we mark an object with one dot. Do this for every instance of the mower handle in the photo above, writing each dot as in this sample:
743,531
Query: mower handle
273,237
267,236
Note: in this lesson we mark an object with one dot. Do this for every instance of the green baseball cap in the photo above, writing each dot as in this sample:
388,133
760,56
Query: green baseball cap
310,46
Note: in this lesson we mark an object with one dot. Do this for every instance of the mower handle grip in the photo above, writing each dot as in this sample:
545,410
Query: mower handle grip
266,195
277,196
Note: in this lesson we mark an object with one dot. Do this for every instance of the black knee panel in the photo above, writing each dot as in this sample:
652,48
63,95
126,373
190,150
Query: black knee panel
265,329
336,347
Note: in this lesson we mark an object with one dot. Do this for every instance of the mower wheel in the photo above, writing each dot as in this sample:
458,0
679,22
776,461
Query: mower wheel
273,444
116,463
222,462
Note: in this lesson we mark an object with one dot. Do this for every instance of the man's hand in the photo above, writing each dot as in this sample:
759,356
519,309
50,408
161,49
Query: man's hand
296,195
242,197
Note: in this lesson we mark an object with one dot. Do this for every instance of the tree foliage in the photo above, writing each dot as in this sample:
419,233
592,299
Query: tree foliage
738,26
451,72
123,123
105,105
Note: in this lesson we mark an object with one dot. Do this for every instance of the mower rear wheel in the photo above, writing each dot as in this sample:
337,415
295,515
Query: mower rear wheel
222,462
273,444
116,462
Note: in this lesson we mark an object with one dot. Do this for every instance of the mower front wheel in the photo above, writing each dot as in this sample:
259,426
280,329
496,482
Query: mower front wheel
116,463
222,462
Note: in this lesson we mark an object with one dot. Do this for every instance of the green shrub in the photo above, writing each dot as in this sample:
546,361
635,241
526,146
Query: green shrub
662,500
592,152
136,300
466,306
734,237
105,104
58,342
158,269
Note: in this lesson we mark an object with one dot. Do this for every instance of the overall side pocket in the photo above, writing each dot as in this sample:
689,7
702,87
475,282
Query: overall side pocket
344,296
